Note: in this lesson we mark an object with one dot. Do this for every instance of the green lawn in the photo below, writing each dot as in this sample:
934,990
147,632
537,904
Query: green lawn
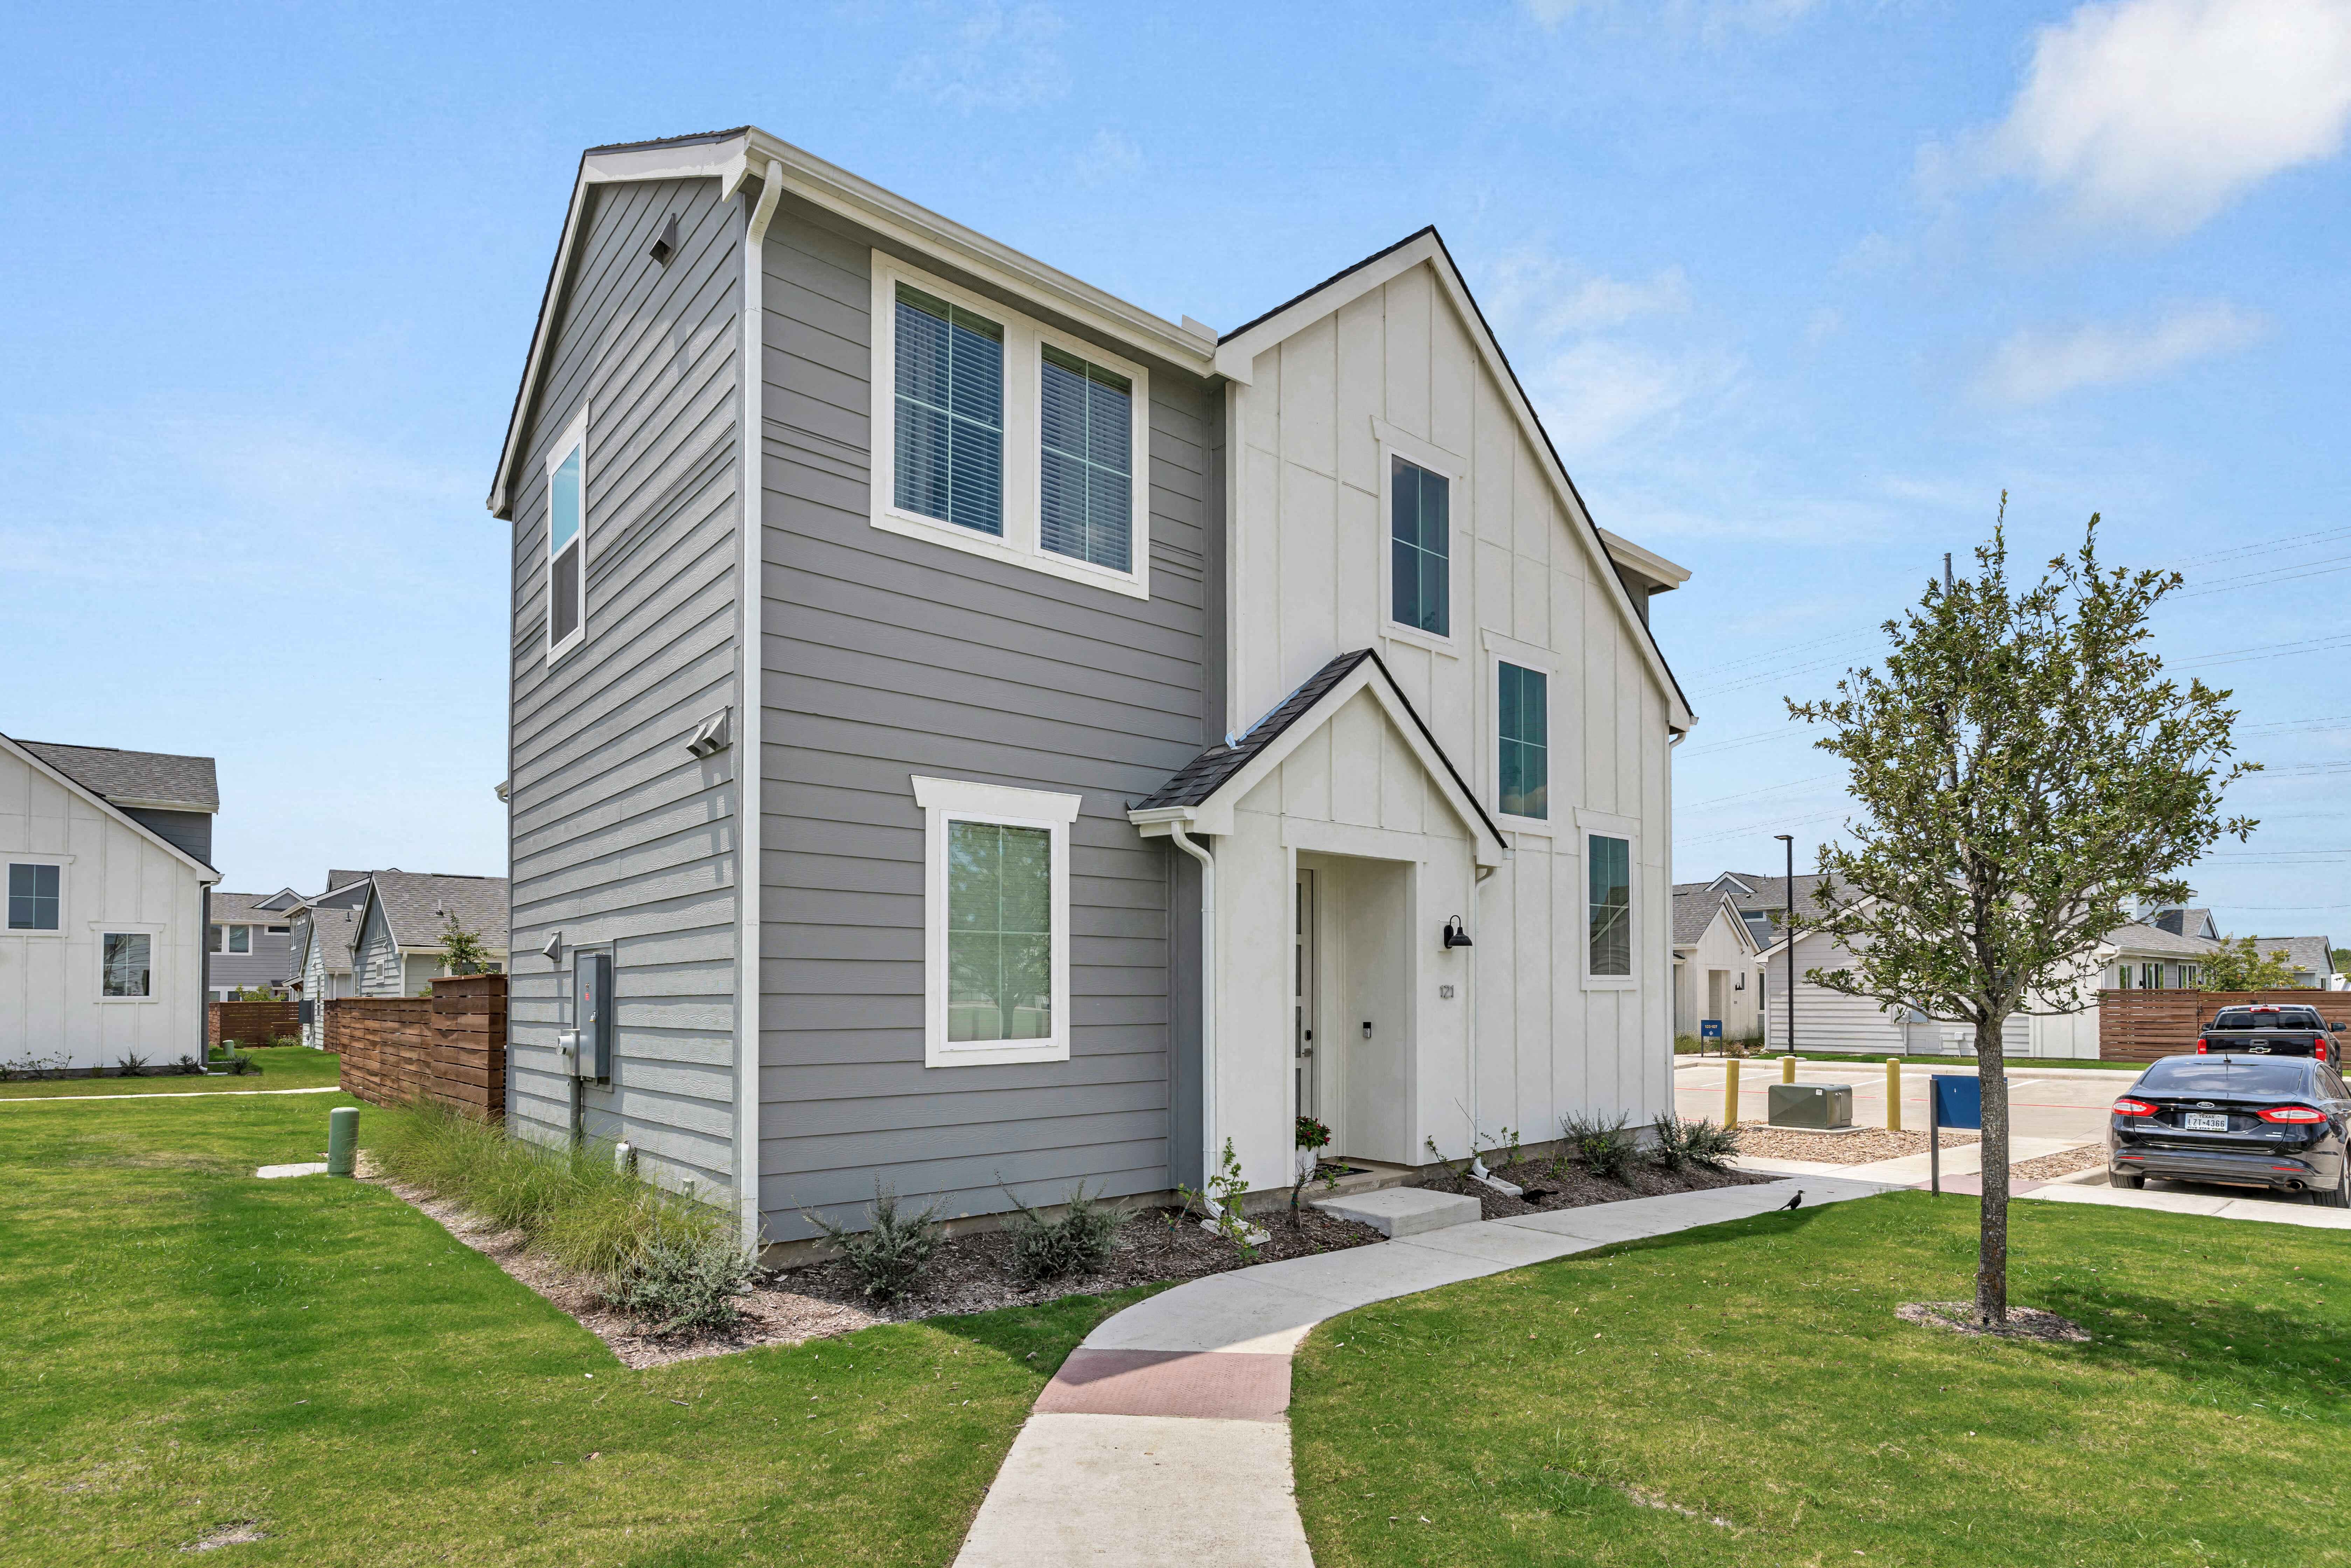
1610,1408
190,1348
282,1067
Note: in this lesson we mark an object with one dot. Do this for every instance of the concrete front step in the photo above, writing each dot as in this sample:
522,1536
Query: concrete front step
1404,1210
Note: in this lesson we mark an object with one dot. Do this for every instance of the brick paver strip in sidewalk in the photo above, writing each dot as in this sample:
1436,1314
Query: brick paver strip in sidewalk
1164,1441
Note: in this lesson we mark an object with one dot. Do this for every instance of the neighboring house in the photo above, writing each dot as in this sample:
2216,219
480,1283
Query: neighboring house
324,927
401,922
1118,728
250,941
2313,958
105,856
1715,976
2165,951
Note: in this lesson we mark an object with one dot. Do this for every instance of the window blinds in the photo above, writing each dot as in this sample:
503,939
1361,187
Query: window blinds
949,413
1088,448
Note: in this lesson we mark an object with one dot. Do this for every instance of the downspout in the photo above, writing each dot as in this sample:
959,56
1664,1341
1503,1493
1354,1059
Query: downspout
1469,984
750,445
1208,1148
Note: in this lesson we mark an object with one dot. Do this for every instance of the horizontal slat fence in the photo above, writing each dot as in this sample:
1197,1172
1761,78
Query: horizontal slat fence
450,1046
2140,1026
250,1023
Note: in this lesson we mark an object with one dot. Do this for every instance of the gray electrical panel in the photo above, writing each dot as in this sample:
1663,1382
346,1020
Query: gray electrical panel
591,1014
1812,1104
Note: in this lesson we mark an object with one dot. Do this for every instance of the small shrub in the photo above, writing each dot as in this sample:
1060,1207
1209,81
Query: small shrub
888,1256
1704,1143
133,1065
683,1281
1079,1241
1668,1152
187,1066
238,1064
1603,1147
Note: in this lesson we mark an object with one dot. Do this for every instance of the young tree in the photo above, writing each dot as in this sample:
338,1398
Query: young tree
2235,965
2025,776
461,949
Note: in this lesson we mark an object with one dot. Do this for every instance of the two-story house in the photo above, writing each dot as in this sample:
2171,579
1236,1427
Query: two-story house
995,735
250,940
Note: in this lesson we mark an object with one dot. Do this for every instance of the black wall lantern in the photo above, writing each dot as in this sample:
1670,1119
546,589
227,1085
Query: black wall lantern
1456,934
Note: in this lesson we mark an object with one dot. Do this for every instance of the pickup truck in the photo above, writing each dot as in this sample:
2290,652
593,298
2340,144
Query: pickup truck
2282,1029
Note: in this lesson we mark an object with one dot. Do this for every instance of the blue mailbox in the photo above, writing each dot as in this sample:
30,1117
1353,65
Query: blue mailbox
1958,1101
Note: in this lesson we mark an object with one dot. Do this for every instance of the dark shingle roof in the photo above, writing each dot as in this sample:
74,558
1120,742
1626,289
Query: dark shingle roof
143,778
2315,953
335,929
1208,772
245,909
2139,937
335,879
417,904
1693,911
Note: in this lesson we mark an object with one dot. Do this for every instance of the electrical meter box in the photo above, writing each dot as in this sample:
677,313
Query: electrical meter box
1812,1104
591,1014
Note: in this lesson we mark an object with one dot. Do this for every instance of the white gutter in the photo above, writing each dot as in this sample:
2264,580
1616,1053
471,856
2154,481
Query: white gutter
1209,1152
750,444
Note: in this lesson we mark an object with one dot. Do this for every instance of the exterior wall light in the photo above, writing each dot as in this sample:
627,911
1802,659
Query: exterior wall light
1456,934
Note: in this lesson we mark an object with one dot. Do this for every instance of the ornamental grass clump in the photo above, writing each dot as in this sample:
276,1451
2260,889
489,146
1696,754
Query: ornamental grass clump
1077,1240
665,1257
888,1256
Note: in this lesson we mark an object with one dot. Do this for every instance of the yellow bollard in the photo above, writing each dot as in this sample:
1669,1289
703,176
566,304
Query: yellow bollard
1731,1092
1893,1094
1787,1069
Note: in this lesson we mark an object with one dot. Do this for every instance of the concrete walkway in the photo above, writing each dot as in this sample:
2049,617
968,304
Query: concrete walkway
1164,1441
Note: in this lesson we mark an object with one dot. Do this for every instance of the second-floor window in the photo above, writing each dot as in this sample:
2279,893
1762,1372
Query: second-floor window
1420,548
950,412
1087,495
33,897
1524,725
567,540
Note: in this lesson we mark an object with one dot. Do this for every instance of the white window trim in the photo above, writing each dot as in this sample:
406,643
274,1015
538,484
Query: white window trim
945,800
1500,650
1025,339
574,435
65,884
102,929
1455,469
1587,824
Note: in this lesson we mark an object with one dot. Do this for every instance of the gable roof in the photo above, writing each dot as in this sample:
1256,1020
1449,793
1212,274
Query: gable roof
2138,936
339,880
336,929
2315,953
1205,789
1697,909
1237,350
246,909
40,764
416,906
156,780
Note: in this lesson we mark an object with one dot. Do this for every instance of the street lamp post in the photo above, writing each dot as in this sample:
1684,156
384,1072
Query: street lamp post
1788,925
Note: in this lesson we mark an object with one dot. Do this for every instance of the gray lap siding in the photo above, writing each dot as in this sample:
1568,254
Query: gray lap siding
885,657
619,839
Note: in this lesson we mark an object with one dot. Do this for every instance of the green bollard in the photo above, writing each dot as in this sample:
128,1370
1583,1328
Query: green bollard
342,1139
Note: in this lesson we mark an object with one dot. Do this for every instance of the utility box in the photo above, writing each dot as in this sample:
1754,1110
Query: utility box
1824,1105
591,1014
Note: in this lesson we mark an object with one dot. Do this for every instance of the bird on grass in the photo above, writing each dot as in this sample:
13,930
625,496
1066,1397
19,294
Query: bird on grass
1793,1202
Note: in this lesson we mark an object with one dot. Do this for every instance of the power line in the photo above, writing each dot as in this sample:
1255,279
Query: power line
1749,794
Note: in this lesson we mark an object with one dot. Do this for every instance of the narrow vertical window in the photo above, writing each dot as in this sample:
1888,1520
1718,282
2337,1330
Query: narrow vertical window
32,898
999,932
1088,448
1420,545
1525,729
567,540
123,961
1610,917
950,412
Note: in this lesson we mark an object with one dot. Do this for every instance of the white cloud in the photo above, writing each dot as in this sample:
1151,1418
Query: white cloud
2156,114
2035,366
1110,157
1538,293
1596,393
1000,57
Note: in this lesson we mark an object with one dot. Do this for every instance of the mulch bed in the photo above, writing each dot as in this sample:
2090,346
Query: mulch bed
1567,1185
2064,1162
1841,1148
2023,1323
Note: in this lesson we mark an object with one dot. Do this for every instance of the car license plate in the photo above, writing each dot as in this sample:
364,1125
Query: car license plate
2204,1122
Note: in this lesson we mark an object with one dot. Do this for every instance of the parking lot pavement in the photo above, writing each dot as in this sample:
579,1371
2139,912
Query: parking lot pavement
2048,1103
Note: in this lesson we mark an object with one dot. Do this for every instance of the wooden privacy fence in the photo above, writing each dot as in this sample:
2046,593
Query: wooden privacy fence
450,1046
2139,1026
250,1023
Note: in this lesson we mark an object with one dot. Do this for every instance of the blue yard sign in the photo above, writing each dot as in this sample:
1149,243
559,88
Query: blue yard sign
1958,1101
1710,1029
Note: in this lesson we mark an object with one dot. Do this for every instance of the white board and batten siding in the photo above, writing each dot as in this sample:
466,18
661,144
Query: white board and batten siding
1830,1020
112,877
887,658
620,840
1398,364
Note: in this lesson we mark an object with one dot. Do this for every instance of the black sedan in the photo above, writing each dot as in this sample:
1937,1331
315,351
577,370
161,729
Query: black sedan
2275,1121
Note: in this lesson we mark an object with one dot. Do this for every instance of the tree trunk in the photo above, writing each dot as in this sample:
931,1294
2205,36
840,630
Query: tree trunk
1991,1247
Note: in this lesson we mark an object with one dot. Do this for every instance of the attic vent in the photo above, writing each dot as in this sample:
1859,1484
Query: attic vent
713,734
666,246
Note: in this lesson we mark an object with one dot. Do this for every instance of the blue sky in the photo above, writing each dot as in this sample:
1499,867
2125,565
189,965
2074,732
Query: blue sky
1799,287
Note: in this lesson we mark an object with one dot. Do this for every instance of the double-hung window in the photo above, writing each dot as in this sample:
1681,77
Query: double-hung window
1608,921
997,923
124,970
567,540
33,897
1523,723
998,436
1420,545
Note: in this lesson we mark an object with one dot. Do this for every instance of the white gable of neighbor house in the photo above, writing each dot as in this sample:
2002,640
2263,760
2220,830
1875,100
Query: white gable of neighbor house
114,876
